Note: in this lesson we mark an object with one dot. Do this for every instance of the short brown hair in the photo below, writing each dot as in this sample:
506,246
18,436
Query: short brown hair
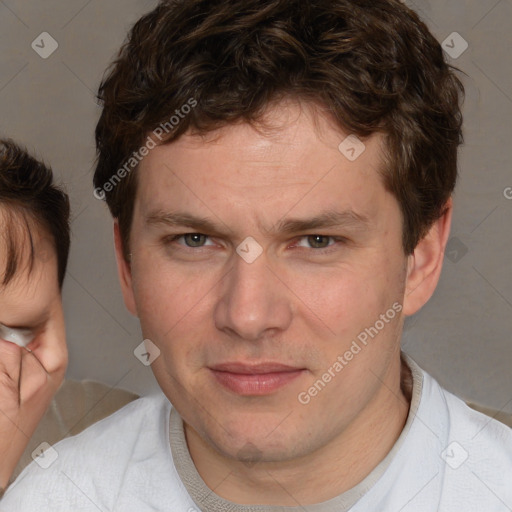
373,64
29,200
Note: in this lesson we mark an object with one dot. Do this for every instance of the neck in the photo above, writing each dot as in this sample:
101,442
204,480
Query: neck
318,476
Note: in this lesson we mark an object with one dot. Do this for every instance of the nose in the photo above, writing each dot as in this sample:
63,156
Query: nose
253,303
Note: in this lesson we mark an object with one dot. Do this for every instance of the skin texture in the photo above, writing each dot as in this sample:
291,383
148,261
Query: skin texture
295,304
29,377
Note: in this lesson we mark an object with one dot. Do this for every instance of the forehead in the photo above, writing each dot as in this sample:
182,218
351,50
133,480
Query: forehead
28,263
18,236
295,157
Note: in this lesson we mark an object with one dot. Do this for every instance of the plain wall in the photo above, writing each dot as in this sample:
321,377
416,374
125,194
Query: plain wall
463,335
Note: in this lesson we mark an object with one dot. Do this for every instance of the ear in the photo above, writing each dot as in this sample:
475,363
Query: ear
425,264
124,272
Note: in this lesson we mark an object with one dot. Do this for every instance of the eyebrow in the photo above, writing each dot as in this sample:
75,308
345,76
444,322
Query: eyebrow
326,219
182,219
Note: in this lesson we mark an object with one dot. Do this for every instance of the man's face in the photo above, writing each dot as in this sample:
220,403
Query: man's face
30,299
217,314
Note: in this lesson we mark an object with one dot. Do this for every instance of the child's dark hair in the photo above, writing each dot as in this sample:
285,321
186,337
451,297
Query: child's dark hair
29,200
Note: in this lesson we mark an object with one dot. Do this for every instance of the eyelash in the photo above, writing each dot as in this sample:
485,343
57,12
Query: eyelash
173,238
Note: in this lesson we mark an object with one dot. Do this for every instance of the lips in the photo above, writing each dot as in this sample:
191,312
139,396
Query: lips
252,369
255,379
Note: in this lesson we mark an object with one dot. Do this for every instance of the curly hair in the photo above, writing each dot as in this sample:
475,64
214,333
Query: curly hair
372,64
29,200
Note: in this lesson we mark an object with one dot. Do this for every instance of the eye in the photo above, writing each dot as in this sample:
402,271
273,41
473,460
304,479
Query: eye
316,241
192,240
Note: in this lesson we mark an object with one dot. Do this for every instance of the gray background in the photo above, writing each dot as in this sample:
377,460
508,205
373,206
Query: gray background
462,336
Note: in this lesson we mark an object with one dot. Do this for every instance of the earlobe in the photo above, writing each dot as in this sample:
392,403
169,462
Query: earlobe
124,272
425,264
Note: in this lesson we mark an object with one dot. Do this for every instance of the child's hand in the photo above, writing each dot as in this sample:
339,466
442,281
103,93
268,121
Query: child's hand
29,378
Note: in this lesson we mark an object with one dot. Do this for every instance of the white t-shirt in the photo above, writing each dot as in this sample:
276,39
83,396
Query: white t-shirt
448,458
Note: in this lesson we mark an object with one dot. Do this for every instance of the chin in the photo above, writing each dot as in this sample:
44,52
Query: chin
247,441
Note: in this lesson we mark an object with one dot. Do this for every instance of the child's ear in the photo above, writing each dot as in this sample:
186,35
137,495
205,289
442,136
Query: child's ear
124,271
424,265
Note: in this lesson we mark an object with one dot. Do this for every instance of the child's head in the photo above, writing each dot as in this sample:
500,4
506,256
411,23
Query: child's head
34,240
34,214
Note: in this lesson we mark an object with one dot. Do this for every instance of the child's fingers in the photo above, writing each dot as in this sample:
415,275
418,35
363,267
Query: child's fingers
50,346
10,365
34,379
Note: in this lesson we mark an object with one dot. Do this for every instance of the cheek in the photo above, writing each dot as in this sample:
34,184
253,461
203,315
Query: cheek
170,302
342,300
161,301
